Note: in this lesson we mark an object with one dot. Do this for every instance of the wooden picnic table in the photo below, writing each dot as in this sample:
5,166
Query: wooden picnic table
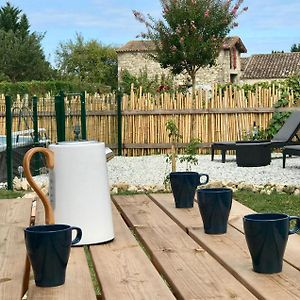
159,252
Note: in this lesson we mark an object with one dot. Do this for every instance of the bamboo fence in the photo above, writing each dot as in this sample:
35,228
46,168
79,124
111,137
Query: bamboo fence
218,116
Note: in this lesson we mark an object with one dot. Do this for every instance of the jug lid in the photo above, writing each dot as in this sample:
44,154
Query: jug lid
73,143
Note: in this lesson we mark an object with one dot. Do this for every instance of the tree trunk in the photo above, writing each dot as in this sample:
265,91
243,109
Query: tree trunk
193,117
173,151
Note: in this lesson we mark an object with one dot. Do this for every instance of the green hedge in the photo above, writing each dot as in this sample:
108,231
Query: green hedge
290,83
40,88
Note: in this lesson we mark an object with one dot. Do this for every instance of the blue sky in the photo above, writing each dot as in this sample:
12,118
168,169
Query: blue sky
267,25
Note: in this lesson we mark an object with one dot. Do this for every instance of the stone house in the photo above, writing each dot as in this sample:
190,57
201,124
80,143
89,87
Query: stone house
268,67
134,57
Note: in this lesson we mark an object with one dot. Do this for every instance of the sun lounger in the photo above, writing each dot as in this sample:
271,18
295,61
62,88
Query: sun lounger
282,138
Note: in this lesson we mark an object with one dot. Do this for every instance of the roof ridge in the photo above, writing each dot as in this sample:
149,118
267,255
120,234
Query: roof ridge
134,45
277,53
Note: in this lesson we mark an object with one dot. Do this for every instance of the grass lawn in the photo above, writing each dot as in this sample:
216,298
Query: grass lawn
5,194
275,202
282,203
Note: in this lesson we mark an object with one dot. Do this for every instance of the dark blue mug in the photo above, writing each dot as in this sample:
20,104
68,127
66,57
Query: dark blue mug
184,186
214,206
48,248
267,235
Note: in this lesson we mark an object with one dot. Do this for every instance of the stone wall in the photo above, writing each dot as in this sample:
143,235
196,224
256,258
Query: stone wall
134,62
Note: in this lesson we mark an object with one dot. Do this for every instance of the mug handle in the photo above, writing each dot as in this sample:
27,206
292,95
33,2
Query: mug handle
297,227
78,235
204,175
49,215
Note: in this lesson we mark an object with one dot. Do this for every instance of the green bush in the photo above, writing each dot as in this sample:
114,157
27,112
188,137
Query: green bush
40,88
277,121
291,83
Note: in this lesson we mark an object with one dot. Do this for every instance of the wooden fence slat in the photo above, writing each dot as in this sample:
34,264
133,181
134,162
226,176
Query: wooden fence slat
220,115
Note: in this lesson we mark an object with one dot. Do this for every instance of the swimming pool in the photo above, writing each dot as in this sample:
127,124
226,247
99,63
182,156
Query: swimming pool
22,141
17,141
23,138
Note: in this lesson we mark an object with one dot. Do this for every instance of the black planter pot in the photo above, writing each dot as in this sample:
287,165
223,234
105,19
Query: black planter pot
184,186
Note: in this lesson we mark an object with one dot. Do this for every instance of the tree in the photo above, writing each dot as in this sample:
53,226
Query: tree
191,33
276,51
295,48
87,61
21,54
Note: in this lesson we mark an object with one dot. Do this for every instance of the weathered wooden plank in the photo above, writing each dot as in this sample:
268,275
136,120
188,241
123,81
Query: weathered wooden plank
231,251
167,203
15,212
124,270
154,145
78,284
173,112
238,210
190,271
170,111
14,217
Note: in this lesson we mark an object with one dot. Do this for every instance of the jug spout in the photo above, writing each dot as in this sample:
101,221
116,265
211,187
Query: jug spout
108,154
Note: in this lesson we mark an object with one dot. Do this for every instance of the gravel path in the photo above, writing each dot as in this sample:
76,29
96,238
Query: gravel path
151,170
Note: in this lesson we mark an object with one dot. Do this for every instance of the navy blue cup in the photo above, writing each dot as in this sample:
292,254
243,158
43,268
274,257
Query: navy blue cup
184,185
214,206
48,248
267,235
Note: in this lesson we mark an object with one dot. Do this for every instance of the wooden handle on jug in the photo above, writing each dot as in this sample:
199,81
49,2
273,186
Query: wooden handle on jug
49,215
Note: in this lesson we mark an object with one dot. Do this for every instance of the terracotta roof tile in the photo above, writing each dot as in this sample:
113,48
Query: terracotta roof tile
244,62
148,46
231,41
275,65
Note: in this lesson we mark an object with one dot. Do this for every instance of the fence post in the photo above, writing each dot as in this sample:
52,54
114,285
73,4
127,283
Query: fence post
36,133
9,165
83,116
60,117
35,120
119,118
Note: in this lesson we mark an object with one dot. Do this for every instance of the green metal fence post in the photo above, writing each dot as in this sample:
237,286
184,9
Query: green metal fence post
9,165
119,118
35,120
57,114
60,117
83,116
36,133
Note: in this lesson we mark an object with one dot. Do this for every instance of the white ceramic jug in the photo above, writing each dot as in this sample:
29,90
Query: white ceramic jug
78,188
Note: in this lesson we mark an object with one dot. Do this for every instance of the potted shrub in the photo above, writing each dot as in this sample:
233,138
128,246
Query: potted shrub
183,183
